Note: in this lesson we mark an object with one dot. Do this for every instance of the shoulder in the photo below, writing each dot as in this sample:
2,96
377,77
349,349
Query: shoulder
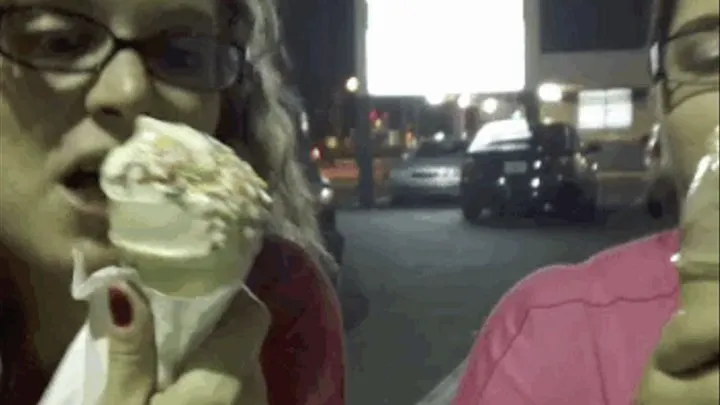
638,270
290,283
303,355
559,295
543,321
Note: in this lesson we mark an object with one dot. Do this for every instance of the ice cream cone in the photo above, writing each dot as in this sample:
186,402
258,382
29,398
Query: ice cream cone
184,210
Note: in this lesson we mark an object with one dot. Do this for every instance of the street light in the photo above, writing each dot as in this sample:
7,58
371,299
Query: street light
550,92
352,85
490,105
464,101
304,123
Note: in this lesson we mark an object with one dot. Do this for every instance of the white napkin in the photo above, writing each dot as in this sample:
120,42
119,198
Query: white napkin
180,325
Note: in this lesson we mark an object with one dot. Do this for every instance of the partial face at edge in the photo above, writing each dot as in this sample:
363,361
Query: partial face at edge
693,112
50,120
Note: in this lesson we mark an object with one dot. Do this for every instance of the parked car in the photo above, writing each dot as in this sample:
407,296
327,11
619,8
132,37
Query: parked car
326,212
511,166
432,170
660,197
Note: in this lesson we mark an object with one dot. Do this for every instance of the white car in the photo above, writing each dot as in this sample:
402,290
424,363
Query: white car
433,170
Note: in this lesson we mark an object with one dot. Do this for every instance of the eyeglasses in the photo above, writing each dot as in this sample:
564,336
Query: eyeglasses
687,58
55,40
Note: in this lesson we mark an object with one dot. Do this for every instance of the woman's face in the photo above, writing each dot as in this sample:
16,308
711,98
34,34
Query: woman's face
693,100
52,124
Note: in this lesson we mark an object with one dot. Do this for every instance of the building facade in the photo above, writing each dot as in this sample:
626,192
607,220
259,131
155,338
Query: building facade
595,51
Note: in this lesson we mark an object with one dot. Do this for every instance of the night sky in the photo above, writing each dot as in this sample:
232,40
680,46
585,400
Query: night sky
319,36
319,39
603,25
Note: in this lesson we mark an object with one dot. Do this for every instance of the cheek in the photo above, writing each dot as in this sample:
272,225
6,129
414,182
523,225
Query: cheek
23,155
688,129
26,200
44,106
200,111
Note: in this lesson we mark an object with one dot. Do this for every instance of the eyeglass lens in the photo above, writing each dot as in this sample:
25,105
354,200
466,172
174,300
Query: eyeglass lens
53,40
693,58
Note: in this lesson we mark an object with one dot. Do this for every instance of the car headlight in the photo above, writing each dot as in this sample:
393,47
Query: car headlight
326,195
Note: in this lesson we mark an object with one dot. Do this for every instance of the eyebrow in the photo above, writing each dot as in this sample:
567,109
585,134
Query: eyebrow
703,23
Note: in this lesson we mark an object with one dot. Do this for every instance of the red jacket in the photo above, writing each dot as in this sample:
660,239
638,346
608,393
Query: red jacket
303,357
582,334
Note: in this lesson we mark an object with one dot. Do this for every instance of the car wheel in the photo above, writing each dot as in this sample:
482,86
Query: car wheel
655,209
575,205
470,212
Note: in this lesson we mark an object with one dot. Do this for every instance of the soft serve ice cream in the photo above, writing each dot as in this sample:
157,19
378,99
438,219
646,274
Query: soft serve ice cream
186,216
184,210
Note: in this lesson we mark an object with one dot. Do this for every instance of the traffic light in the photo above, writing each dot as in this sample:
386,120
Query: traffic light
374,115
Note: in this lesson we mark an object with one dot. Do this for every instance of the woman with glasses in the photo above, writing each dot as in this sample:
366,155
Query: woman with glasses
74,76
594,333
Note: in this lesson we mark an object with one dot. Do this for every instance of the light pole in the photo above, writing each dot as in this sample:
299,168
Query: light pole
358,83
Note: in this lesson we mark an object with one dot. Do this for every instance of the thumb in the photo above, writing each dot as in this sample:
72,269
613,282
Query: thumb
131,378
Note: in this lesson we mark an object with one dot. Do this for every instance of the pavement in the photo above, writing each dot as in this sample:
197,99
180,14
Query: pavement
420,281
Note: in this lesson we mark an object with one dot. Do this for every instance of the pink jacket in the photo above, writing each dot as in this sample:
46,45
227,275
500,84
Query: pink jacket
576,334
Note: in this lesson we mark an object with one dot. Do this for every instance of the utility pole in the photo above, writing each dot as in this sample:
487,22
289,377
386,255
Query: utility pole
363,144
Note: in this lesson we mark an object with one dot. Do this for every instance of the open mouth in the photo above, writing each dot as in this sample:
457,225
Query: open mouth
83,184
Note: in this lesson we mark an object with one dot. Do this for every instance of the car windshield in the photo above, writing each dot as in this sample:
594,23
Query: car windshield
438,149
502,136
514,135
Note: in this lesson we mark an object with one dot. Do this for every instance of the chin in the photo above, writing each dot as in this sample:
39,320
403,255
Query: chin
59,260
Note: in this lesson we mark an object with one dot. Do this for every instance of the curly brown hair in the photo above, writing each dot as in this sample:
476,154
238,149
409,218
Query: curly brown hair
259,121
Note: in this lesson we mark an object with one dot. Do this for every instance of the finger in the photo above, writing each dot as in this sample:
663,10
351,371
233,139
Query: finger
131,349
691,338
221,366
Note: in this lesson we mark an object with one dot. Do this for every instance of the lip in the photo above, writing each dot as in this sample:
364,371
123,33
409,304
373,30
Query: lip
91,159
92,209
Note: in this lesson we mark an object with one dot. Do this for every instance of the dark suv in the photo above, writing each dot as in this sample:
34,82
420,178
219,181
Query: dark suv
532,169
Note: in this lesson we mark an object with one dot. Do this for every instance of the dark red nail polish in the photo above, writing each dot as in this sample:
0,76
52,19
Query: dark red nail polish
120,307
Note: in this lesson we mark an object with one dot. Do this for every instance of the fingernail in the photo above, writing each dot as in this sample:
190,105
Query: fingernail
120,307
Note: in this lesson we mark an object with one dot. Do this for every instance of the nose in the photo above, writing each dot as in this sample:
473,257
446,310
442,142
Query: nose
122,89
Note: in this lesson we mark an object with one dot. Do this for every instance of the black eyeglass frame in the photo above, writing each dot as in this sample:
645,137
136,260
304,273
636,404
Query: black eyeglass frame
138,44
656,61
